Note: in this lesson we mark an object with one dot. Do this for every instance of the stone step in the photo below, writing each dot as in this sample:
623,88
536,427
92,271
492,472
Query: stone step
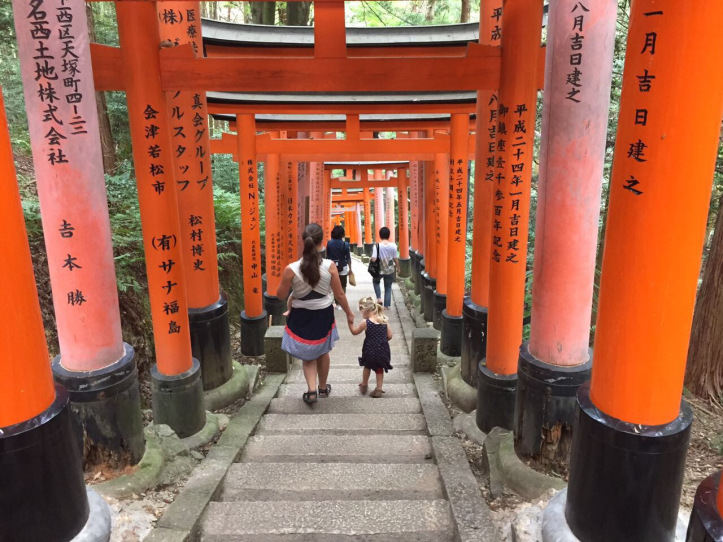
346,405
347,362
345,349
328,521
342,424
399,374
347,390
334,481
338,449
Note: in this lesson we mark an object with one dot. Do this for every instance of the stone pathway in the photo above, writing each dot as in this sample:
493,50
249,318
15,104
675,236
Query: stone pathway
347,468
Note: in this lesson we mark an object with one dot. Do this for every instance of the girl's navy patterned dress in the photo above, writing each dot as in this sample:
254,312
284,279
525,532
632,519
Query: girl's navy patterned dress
375,352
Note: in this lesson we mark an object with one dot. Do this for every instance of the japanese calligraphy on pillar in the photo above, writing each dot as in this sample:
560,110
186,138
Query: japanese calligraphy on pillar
179,23
291,210
644,83
59,93
458,203
274,235
438,206
577,42
250,215
495,29
513,166
414,196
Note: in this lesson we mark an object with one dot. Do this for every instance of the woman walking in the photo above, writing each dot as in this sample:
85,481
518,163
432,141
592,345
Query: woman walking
386,252
311,331
338,251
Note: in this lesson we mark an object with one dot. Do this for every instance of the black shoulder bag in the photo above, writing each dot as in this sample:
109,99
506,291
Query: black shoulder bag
375,266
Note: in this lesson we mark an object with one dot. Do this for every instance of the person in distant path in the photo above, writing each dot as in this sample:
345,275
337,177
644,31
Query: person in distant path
310,331
389,257
338,251
376,355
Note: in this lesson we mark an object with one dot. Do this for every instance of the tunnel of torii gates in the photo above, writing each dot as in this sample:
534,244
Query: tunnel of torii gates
450,94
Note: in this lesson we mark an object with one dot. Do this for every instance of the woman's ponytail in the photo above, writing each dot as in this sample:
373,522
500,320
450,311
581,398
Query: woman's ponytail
311,260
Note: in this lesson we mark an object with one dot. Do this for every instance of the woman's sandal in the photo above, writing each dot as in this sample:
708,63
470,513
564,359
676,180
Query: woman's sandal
377,393
324,393
309,397
363,389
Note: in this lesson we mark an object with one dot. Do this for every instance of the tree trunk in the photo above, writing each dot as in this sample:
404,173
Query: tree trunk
297,13
263,12
466,8
429,17
704,372
110,158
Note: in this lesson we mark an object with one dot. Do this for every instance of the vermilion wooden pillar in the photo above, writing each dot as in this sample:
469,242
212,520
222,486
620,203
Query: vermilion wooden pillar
316,185
326,224
474,312
441,190
290,209
632,430
389,221
96,367
379,215
358,230
414,170
572,155
176,384
368,229
403,204
274,306
40,462
253,317
497,376
180,23
451,335
430,262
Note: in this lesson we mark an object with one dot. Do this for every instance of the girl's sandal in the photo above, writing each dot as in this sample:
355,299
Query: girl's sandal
324,393
363,389
377,393
309,397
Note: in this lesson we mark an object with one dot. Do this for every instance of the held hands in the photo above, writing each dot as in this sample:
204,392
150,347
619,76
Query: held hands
350,319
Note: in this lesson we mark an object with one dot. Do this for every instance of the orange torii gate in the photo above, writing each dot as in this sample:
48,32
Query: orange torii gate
632,431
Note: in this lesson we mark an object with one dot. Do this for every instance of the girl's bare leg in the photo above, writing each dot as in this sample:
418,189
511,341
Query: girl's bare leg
310,370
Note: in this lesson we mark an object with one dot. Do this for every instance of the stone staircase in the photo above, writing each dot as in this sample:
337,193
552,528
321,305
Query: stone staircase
347,468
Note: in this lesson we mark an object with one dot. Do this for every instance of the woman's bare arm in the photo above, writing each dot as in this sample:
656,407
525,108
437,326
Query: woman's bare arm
339,293
285,286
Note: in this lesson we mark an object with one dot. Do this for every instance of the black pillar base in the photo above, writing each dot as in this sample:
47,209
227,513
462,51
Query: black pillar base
178,400
253,331
474,339
419,272
211,342
106,407
43,495
275,308
706,524
429,284
352,248
495,399
368,247
625,479
439,303
405,267
359,250
413,258
546,397
450,337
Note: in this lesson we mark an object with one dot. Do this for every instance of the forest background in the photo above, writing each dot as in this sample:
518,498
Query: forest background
705,368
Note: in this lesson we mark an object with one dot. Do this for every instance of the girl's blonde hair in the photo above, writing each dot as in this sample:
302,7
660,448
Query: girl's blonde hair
370,304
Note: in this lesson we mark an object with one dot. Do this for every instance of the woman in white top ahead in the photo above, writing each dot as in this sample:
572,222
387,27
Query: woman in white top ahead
310,331
389,263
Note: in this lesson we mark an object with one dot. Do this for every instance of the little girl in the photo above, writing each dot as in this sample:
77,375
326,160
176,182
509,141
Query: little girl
375,352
